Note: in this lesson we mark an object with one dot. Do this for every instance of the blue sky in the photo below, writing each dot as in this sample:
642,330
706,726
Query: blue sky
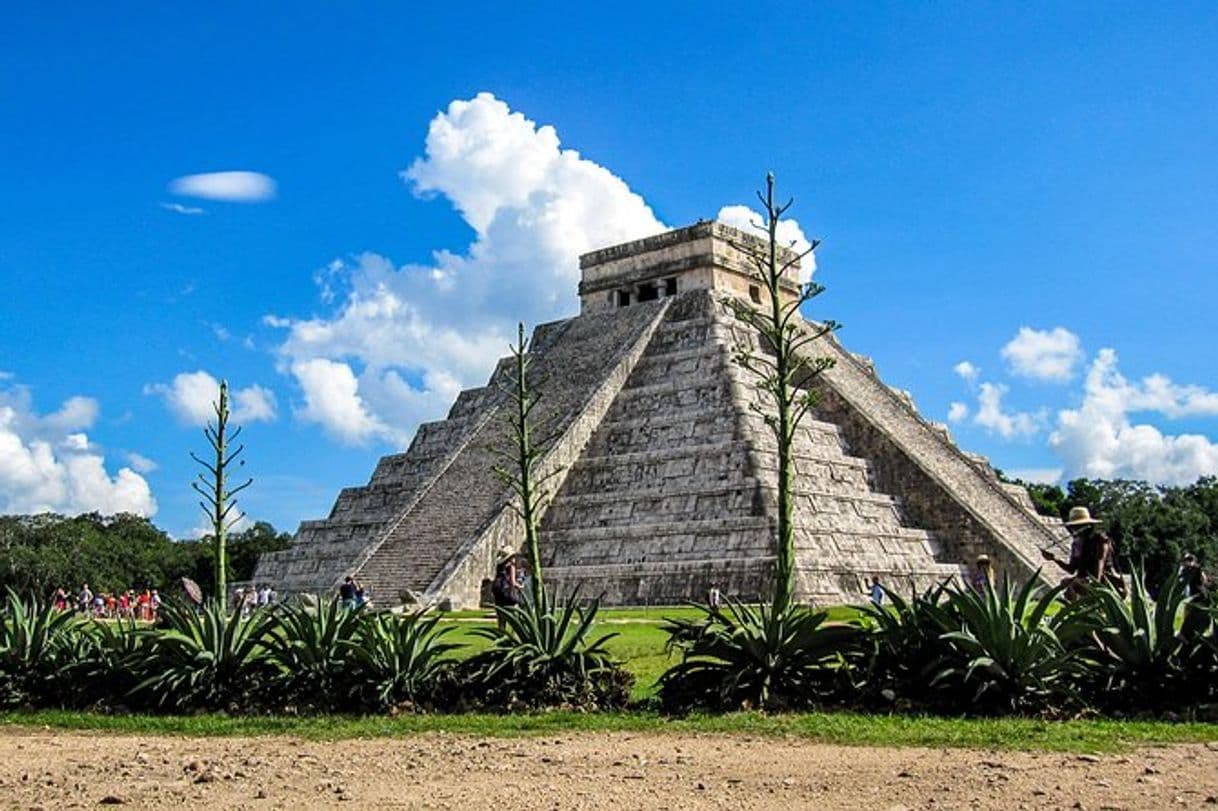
1031,191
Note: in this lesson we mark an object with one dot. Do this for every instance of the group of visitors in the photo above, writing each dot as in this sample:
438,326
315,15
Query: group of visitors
129,604
1092,560
246,600
352,595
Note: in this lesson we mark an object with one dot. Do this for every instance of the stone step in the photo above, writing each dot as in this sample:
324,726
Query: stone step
652,505
706,361
745,535
377,501
664,430
474,402
720,462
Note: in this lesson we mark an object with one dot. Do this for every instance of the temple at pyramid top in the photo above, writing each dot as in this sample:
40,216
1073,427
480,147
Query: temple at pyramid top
704,256
662,469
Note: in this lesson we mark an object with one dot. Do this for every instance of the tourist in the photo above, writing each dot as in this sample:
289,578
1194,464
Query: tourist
714,597
982,578
84,600
1193,578
347,592
877,591
505,588
1090,553
154,605
61,599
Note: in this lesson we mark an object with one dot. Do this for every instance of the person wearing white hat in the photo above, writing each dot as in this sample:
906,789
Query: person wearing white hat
1090,552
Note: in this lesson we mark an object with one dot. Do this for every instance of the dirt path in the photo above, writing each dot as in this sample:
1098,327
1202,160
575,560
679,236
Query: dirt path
51,769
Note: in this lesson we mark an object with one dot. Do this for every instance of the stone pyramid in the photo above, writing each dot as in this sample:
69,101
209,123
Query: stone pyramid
664,473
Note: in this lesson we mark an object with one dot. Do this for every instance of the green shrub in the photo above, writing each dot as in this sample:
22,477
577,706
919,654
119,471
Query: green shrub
102,666
312,648
1006,655
38,645
904,645
205,659
1146,654
756,657
398,662
544,656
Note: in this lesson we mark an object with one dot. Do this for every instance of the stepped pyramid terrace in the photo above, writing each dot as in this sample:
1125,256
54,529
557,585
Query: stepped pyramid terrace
665,471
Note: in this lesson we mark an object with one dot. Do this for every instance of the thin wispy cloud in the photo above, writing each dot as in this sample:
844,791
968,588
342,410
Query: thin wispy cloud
178,208
229,187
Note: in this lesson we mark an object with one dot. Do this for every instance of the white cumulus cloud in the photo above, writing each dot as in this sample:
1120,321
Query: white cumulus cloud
332,400
141,463
991,415
1099,440
231,187
47,462
396,343
957,412
789,233
1047,355
966,371
190,396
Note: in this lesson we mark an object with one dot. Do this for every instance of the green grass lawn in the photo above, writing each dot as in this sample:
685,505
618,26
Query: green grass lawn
846,729
639,641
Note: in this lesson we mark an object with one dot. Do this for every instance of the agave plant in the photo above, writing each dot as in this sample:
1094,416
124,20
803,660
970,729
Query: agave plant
1007,654
1145,652
36,646
102,668
758,657
205,659
904,644
544,655
398,661
312,647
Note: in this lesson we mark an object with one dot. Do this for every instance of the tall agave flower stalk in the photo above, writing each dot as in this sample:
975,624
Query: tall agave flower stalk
783,373
523,455
219,502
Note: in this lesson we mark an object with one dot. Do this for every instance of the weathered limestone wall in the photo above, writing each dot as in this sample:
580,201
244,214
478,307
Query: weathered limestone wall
461,579
460,511
675,491
705,256
666,468
941,488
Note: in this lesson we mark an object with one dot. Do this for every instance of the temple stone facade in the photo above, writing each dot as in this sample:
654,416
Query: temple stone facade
663,469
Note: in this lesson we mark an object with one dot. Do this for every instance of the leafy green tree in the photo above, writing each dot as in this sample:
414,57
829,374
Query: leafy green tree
219,500
784,372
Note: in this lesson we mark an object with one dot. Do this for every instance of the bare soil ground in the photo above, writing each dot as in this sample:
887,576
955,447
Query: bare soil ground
619,771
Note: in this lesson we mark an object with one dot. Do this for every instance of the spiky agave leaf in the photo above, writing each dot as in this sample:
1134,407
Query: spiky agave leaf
397,660
1143,651
36,645
311,646
756,656
1006,652
545,654
205,659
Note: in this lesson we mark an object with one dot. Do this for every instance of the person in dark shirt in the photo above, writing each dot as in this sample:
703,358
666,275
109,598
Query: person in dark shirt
346,592
1090,553
1193,578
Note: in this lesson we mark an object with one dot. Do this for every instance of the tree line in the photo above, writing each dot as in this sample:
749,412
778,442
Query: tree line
39,553
1153,526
